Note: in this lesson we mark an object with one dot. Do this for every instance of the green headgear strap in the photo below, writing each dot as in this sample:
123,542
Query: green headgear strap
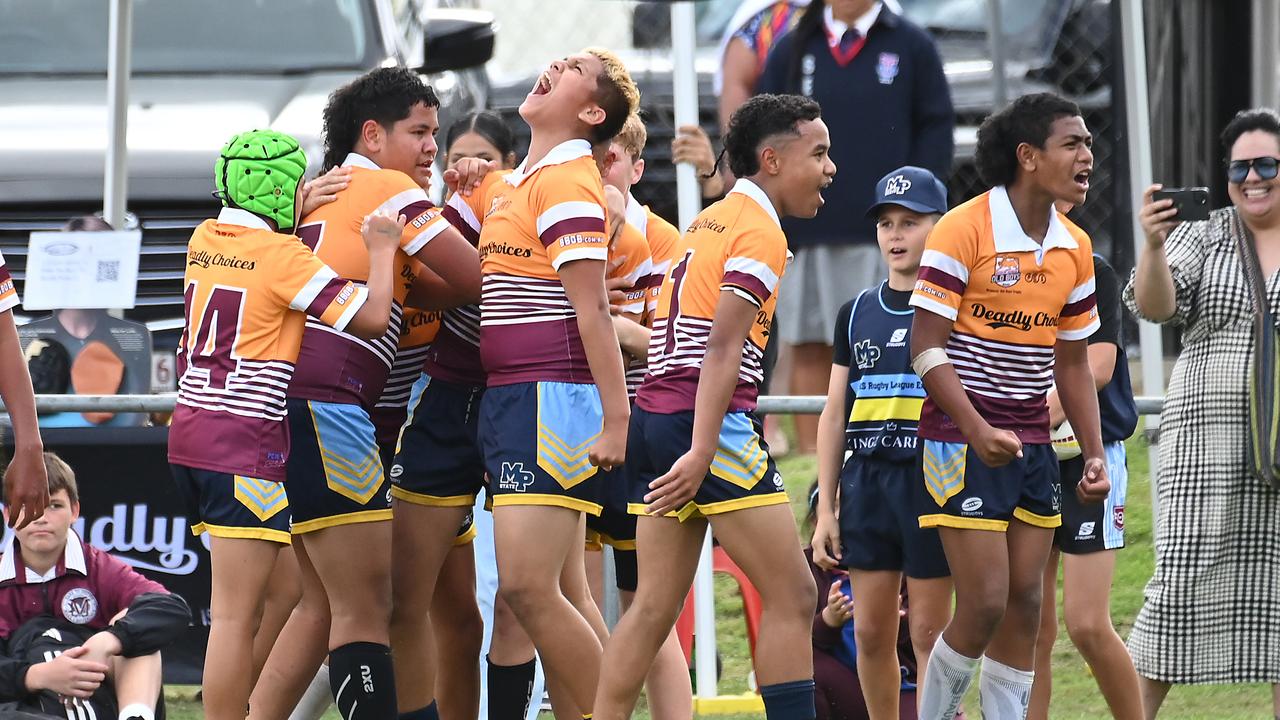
259,171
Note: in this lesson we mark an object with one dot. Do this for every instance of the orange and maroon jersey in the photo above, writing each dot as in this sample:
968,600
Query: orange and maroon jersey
455,355
335,366
736,244
248,293
663,238
553,215
8,294
1011,299
418,330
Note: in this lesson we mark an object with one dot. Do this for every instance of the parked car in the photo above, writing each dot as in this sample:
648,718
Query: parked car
250,64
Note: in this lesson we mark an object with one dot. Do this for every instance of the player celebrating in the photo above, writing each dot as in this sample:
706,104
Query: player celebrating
872,410
249,288
696,454
1007,291
382,126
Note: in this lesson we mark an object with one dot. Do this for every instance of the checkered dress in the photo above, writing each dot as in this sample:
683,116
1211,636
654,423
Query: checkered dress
1212,610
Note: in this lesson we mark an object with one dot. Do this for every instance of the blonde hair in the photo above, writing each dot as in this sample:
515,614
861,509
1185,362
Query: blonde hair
633,136
616,93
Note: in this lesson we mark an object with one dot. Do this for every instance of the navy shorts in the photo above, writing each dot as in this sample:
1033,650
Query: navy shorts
615,527
535,438
233,506
742,474
879,524
962,492
437,460
334,475
1095,526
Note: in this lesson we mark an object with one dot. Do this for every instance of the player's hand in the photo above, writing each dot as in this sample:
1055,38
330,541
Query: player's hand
1158,217
324,189
692,145
995,447
467,174
69,674
616,287
839,607
1094,484
26,485
382,230
610,449
826,541
677,488
615,206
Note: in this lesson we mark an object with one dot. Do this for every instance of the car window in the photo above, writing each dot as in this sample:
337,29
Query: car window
70,36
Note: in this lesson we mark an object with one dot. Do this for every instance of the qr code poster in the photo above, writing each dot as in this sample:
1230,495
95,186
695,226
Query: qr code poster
88,270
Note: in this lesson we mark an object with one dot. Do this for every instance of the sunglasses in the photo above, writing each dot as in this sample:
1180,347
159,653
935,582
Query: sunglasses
1267,168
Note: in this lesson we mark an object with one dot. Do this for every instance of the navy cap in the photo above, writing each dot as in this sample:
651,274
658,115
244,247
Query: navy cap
914,188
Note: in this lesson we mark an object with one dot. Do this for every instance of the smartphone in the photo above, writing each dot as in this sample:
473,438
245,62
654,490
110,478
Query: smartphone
1191,203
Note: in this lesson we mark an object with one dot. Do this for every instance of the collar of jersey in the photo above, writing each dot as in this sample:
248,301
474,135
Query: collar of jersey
360,161
637,215
72,559
238,216
1007,231
562,153
745,187
836,28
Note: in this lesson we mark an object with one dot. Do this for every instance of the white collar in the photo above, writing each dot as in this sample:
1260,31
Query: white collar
745,187
355,159
637,215
836,28
239,216
73,558
562,153
1009,236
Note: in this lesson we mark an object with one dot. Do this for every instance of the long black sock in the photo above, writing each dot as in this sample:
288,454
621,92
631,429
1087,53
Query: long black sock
510,687
363,682
789,701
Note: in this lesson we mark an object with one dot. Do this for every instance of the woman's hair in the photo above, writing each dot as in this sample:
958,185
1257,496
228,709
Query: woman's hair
385,95
759,119
1029,119
91,223
488,125
1264,119
809,24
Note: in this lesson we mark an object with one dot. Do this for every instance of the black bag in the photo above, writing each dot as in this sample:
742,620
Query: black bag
1264,370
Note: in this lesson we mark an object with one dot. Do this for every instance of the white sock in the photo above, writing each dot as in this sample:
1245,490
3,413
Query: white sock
317,698
1005,690
946,679
137,710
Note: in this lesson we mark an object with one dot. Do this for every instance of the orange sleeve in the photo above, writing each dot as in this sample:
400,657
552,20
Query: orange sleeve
755,262
1079,317
636,267
466,213
310,286
949,253
568,204
8,294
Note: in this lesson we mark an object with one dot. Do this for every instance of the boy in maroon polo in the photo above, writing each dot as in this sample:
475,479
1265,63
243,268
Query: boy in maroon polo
100,623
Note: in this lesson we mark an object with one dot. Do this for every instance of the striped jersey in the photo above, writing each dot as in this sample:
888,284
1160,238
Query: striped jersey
1011,299
335,366
663,238
883,395
248,292
554,214
8,293
735,245
417,331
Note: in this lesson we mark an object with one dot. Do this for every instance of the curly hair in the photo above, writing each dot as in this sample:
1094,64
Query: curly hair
385,95
757,120
1029,119
1264,119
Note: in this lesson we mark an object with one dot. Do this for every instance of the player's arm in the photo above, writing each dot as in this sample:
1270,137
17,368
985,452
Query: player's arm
1079,400
716,383
632,336
831,422
69,674
431,292
26,484
1102,364
583,282
455,264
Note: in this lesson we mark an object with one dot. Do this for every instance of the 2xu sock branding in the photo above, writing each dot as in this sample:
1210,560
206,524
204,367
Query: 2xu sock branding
510,688
363,682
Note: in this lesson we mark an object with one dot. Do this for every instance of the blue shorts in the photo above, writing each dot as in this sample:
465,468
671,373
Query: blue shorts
233,506
536,438
334,475
437,460
962,492
1095,526
615,527
879,527
742,474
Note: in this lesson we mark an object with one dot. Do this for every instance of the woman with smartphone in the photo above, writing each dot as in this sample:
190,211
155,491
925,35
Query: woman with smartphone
1211,607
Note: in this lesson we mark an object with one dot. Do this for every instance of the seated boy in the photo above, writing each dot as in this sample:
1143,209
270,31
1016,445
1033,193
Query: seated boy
98,623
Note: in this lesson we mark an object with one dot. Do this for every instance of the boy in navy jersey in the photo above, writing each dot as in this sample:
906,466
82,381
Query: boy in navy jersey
869,427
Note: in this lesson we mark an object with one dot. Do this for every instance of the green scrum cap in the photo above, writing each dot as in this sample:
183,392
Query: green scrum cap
259,171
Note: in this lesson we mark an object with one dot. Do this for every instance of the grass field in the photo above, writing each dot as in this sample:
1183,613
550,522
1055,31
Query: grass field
1075,694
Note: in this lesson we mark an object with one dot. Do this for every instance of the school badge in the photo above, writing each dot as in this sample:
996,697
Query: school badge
79,606
887,68
1007,272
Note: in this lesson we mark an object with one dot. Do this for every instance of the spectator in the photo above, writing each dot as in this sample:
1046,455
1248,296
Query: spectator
1211,607
851,55
101,622
107,355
